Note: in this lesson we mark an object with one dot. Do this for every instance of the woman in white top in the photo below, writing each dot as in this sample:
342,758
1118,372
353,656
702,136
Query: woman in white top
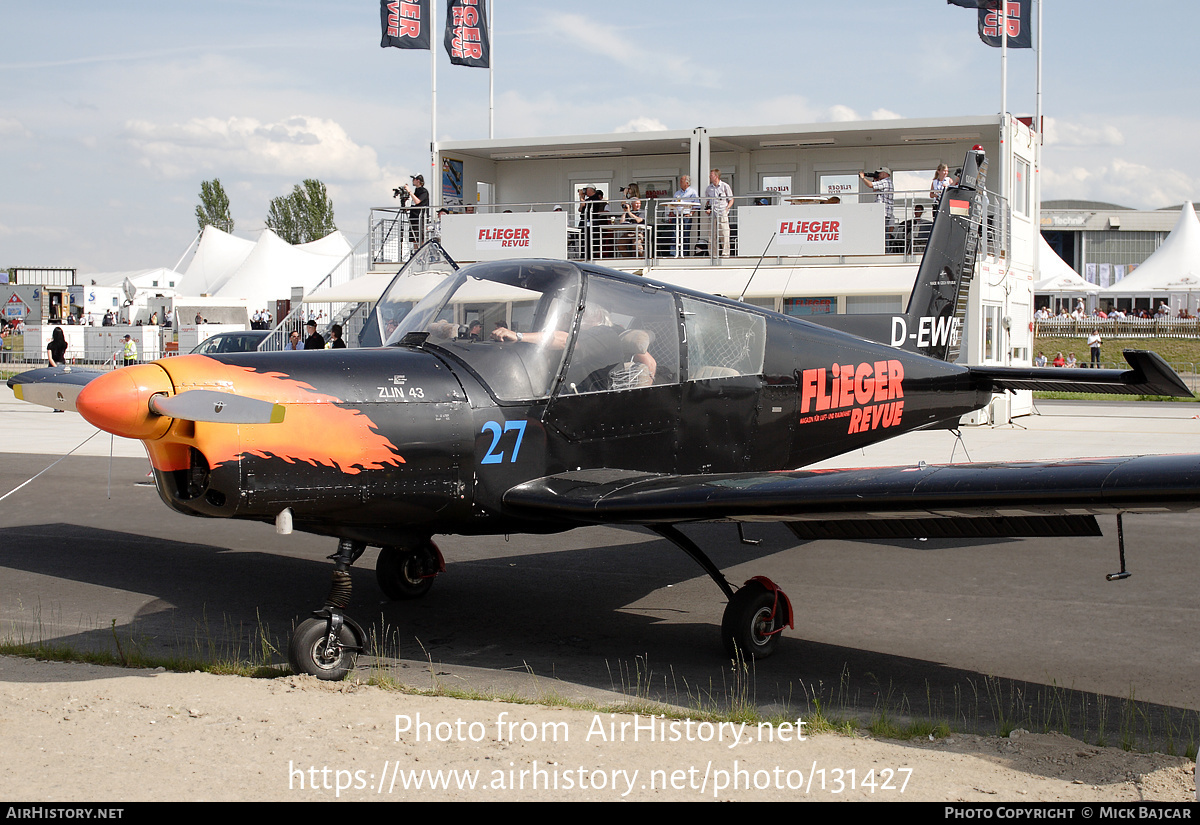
941,179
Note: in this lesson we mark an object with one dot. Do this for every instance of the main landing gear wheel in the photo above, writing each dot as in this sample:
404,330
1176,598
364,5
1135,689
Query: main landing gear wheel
407,572
753,621
309,651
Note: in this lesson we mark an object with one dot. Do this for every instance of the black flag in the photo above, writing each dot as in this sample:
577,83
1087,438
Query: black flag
467,33
405,24
1016,18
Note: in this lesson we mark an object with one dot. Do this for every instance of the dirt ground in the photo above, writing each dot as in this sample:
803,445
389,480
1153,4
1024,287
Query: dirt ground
74,732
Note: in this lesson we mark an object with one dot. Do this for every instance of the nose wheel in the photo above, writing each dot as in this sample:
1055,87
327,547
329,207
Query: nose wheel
326,646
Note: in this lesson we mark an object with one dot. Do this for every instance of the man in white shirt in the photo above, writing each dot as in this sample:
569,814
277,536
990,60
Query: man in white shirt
720,200
885,193
679,218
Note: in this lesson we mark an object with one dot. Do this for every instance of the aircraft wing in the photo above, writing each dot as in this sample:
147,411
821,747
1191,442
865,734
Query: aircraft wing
1027,498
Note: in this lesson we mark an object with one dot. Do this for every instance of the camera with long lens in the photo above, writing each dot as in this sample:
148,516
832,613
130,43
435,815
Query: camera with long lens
402,193
871,176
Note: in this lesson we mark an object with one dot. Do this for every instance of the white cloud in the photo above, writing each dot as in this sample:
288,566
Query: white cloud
840,113
610,41
11,127
1065,133
642,124
884,114
1119,181
296,147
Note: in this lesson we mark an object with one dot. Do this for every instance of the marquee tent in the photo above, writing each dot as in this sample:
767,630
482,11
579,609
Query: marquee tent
260,271
274,267
1056,275
160,281
218,256
1174,266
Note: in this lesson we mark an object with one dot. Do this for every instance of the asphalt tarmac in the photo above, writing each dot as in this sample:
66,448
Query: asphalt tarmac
982,633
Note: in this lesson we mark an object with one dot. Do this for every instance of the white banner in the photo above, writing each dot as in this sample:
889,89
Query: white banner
841,186
817,229
494,237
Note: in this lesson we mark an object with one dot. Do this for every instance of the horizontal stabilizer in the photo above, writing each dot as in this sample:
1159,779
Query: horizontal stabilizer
1149,375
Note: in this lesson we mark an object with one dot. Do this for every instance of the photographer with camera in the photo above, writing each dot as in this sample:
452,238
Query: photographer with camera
418,213
881,181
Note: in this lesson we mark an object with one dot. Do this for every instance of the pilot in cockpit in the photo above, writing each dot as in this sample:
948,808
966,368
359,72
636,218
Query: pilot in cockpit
598,348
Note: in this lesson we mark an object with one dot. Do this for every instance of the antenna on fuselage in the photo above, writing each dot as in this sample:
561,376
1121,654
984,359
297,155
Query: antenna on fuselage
757,265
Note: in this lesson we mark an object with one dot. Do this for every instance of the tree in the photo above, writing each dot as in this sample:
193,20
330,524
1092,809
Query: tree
214,206
304,215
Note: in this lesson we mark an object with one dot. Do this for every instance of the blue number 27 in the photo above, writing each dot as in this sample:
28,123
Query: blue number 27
494,457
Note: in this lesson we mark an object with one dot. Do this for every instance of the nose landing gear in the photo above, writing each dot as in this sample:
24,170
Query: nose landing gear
327,645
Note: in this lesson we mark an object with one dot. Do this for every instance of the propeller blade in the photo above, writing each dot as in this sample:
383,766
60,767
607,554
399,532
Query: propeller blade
217,407
54,387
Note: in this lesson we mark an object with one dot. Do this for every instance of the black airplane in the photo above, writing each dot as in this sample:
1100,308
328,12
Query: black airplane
590,396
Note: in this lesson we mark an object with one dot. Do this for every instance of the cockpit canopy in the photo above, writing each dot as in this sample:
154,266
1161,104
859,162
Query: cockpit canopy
528,329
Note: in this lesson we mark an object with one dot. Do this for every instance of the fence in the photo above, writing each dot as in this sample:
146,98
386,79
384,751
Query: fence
1117,327
667,228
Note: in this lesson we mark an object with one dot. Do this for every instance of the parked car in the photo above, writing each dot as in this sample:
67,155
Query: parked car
244,341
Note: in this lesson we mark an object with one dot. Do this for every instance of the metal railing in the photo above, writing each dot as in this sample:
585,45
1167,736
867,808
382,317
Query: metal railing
396,232
1161,327
601,232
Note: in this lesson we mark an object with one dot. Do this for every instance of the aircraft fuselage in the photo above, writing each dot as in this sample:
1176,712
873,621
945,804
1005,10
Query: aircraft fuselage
384,443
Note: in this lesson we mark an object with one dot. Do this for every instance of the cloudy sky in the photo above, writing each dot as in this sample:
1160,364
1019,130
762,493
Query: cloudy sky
111,114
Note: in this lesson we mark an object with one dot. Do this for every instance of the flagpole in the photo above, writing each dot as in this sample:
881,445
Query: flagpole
492,70
432,178
1037,150
1004,153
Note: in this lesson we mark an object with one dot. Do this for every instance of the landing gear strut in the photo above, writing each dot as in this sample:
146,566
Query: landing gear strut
327,645
756,613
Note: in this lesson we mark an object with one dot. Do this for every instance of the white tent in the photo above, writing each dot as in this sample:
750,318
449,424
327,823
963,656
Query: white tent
260,271
334,243
365,288
218,256
1174,266
1056,275
273,268
154,281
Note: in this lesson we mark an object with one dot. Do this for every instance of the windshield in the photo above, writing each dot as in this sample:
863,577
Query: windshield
427,268
508,321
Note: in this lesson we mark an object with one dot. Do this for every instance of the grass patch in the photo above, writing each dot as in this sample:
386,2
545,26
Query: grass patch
251,652
987,706
1104,396
1182,353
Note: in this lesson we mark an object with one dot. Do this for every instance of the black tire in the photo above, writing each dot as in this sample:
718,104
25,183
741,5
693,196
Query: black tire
748,628
306,651
404,573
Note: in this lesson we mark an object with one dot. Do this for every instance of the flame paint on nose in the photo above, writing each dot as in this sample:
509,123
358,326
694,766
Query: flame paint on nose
119,402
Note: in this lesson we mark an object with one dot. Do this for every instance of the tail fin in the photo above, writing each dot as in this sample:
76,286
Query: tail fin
933,322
